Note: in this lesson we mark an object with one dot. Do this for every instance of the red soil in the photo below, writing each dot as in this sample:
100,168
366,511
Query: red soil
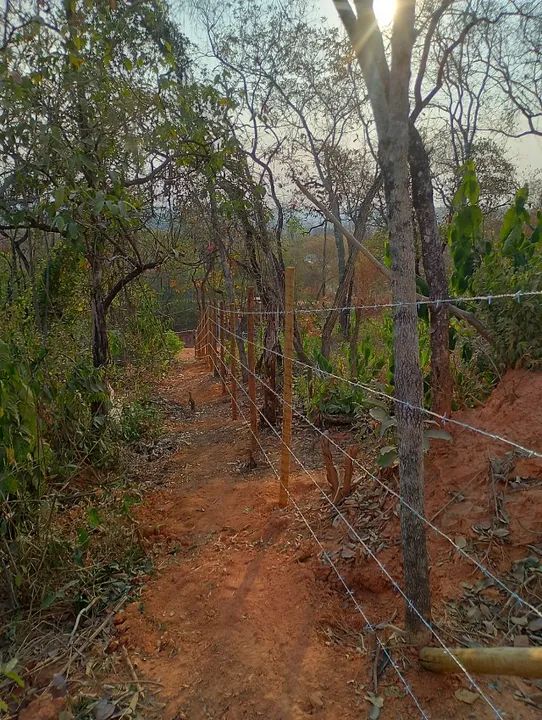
243,620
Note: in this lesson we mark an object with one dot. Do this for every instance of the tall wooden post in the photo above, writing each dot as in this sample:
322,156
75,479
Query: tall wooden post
287,389
233,363
208,339
214,336
198,337
251,350
222,340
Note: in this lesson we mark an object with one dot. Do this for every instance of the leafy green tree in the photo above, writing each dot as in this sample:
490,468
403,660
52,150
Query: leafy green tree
100,127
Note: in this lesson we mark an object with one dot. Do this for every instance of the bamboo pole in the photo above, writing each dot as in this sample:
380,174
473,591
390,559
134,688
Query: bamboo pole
522,662
221,337
233,364
287,393
251,350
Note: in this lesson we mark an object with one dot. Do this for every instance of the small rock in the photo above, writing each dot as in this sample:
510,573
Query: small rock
466,696
521,641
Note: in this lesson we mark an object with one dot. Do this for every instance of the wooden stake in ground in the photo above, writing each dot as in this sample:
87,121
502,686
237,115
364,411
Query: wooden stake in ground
222,339
287,389
214,335
251,351
197,338
522,662
233,363
208,339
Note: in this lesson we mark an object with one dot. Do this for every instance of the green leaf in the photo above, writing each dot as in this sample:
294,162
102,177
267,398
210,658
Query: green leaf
388,456
438,434
60,196
93,518
379,414
15,677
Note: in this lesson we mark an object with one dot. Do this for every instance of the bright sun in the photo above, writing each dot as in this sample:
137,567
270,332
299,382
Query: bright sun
384,10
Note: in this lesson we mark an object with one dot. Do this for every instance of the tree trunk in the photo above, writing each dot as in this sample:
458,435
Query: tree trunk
340,300
388,95
269,368
407,375
100,343
354,338
339,240
435,273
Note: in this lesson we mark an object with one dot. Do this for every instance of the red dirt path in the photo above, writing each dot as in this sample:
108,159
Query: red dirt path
241,620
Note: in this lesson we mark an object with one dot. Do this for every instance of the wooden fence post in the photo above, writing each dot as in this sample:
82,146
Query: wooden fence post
233,363
208,339
222,339
214,335
287,393
251,350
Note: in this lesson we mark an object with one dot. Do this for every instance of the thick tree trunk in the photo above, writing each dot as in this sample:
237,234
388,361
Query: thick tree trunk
435,273
388,94
407,376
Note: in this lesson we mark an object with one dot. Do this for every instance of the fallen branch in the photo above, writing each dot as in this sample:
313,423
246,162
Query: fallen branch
522,662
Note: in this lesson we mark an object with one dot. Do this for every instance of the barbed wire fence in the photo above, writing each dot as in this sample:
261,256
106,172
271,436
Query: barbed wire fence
217,341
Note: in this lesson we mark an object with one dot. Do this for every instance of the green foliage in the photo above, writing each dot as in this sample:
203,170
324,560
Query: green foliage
515,324
323,395
388,455
10,677
519,239
141,342
466,230
139,419
511,262
23,453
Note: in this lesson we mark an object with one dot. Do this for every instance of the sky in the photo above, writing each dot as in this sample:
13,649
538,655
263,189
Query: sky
525,153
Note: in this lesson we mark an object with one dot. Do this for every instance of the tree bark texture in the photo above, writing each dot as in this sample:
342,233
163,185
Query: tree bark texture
388,95
435,273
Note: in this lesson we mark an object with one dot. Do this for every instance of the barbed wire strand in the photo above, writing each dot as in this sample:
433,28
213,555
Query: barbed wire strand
368,550
404,503
382,306
326,555
529,452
